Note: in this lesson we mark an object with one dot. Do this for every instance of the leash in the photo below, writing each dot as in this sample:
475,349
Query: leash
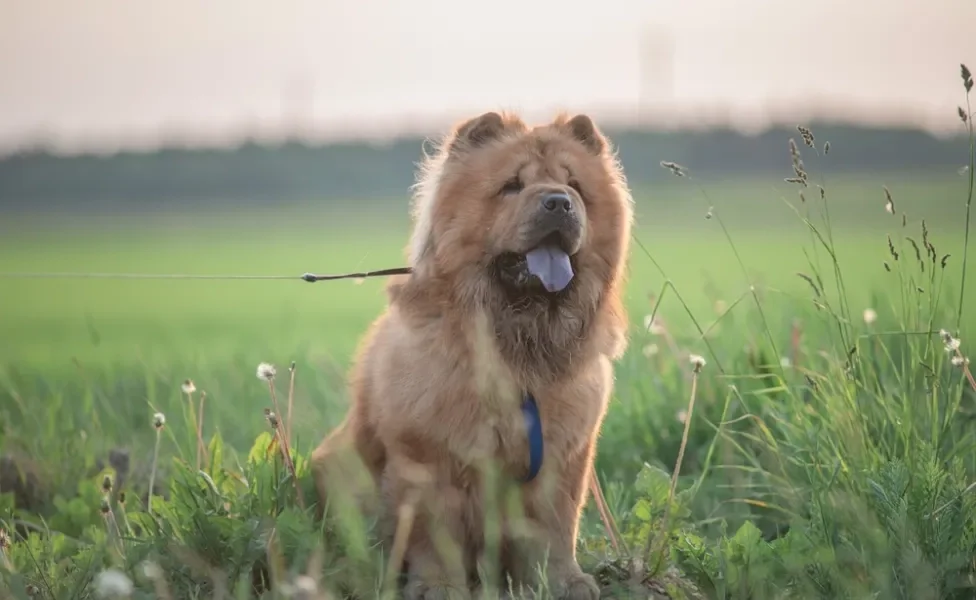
309,277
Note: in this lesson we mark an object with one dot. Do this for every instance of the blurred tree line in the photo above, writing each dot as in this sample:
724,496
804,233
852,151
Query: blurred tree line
35,179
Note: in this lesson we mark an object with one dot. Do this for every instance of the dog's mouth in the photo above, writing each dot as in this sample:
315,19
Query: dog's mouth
547,266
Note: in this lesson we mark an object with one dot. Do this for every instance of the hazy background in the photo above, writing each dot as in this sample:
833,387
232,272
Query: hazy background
109,73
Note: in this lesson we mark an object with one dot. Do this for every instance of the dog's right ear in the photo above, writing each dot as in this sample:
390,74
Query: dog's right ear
475,133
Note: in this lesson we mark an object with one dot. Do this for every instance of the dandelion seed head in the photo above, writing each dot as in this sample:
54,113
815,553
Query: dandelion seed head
151,570
697,362
870,316
266,371
959,361
159,420
682,416
305,587
188,387
113,584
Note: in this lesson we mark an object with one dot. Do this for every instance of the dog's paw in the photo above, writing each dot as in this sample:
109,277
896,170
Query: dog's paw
575,586
417,589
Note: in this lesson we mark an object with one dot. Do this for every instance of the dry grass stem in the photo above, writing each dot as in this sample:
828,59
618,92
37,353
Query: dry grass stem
159,421
201,446
285,450
697,364
406,514
609,524
289,433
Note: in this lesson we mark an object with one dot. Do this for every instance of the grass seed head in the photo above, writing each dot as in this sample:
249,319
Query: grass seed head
806,134
271,417
951,343
4,539
159,420
889,202
826,148
266,371
945,260
962,114
959,361
107,484
918,251
891,249
122,498
105,508
675,168
967,77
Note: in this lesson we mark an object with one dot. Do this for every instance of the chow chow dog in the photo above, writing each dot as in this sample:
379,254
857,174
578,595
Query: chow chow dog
491,368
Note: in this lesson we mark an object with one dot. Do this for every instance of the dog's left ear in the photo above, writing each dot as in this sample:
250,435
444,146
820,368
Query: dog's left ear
584,130
482,130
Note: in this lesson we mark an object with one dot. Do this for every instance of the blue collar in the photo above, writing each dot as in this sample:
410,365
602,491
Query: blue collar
533,426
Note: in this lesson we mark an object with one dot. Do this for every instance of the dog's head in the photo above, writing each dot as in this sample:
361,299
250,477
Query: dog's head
538,216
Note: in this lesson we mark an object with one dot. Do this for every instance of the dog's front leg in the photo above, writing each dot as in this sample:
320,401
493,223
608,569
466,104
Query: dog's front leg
554,505
435,534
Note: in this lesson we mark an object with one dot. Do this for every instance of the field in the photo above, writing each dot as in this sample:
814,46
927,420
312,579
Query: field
809,470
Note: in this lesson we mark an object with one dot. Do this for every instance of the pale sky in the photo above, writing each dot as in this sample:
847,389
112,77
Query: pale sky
122,72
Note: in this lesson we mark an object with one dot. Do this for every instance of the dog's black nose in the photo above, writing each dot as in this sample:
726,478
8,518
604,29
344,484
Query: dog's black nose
557,202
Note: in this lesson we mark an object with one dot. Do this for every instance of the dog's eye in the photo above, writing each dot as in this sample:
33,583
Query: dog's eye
512,186
576,186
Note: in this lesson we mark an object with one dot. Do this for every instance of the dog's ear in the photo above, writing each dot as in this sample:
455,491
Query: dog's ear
584,130
475,133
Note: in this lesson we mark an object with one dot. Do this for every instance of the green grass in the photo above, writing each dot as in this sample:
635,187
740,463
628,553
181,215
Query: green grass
868,473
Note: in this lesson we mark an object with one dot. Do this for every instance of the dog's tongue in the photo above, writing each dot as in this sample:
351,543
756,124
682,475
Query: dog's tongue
551,266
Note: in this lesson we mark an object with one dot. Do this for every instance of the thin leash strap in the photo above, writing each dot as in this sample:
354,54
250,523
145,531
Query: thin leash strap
309,277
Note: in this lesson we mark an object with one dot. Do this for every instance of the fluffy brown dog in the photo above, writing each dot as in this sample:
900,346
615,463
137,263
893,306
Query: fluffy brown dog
518,256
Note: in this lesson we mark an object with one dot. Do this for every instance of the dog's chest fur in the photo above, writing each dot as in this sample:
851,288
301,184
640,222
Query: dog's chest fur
500,424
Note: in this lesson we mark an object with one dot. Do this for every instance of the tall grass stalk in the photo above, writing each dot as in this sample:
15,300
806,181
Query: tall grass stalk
967,80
